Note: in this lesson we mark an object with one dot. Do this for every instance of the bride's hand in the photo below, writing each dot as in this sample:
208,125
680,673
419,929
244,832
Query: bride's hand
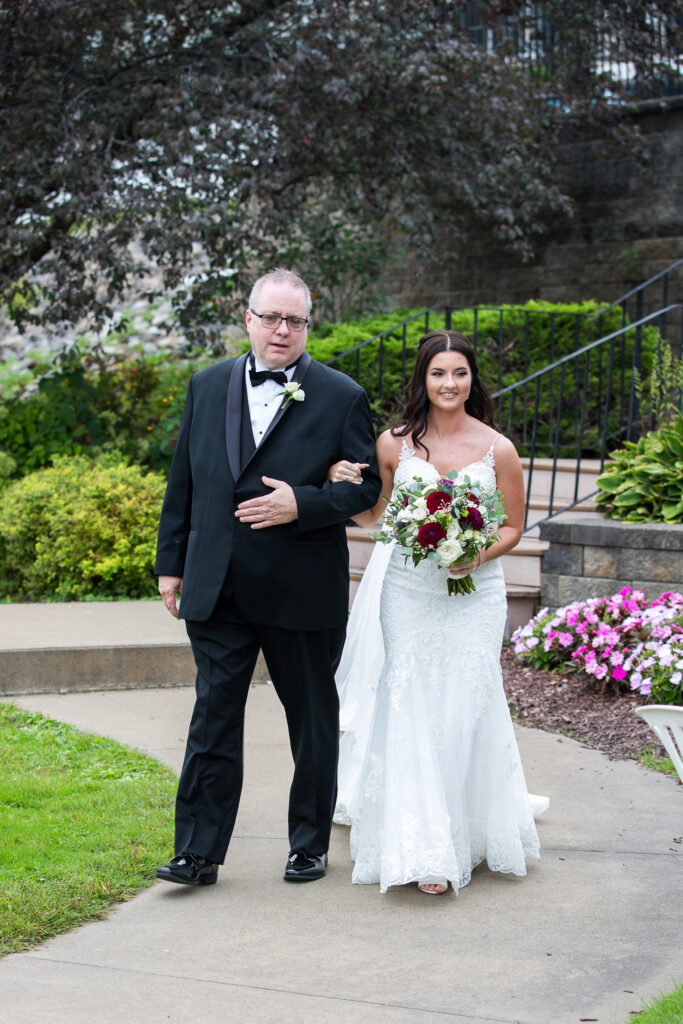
458,571
347,472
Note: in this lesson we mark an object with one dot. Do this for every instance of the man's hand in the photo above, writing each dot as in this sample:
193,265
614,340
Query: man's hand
170,587
272,509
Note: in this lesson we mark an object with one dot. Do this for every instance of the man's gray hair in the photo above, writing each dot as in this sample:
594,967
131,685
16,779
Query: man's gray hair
280,276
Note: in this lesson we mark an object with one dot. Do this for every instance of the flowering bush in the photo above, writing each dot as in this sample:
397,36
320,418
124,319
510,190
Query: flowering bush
622,641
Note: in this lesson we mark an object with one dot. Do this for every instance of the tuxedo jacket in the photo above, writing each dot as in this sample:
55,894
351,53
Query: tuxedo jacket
296,575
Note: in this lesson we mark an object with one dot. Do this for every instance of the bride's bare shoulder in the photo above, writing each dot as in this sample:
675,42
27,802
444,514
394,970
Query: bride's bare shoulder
388,443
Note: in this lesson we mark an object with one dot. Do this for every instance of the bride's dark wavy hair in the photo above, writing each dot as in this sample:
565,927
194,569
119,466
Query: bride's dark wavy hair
416,410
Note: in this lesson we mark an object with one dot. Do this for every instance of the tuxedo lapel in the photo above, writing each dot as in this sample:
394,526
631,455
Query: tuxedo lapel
233,414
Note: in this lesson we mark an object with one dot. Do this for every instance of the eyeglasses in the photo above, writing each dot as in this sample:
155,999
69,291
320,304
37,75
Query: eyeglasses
294,323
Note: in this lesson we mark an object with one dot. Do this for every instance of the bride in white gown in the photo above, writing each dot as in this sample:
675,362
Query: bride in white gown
430,778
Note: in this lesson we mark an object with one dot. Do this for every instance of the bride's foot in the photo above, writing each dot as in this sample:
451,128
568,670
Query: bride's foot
433,888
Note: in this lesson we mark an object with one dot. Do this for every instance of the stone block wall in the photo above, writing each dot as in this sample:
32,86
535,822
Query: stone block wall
627,226
597,558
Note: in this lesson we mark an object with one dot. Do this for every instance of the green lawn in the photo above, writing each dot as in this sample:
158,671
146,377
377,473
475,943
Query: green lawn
85,821
666,1010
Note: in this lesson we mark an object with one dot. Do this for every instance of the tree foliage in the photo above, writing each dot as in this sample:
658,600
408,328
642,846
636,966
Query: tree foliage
227,136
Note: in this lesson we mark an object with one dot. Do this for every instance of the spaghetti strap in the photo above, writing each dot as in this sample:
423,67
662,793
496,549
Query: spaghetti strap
489,459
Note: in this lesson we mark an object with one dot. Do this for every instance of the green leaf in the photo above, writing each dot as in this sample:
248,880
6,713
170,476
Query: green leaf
627,498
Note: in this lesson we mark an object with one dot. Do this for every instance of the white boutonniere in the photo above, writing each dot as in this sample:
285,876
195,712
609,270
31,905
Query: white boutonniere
293,393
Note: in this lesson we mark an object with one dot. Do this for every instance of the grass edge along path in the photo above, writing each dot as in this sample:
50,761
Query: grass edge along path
85,822
667,1009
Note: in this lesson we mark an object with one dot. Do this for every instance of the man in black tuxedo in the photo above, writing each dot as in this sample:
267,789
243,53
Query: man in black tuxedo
252,535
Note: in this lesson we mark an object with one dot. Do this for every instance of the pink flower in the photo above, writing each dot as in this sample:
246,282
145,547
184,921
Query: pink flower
618,672
565,639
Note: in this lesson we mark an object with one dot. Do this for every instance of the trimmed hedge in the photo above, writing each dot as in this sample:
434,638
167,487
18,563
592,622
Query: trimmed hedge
511,342
81,529
94,402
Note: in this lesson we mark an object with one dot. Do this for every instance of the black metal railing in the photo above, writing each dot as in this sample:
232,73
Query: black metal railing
510,343
580,407
659,292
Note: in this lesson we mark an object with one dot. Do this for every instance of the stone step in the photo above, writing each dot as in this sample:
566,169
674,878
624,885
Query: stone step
94,645
565,480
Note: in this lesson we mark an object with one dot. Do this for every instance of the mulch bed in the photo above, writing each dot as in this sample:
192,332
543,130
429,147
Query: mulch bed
566,704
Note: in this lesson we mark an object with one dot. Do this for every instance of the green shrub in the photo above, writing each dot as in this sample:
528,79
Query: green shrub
94,402
660,395
81,529
642,483
512,342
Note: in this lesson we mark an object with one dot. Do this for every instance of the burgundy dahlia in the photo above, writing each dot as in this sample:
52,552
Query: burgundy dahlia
430,534
437,500
474,520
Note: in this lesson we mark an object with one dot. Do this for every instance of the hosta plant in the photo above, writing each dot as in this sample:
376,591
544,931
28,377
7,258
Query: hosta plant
642,483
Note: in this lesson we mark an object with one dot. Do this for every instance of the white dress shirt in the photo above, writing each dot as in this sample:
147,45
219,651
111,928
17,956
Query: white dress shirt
264,400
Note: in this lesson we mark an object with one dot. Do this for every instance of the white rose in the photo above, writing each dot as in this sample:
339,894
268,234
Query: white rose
298,395
403,516
454,529
449,551
419,509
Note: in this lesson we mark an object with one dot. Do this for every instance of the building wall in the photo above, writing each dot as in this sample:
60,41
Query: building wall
628,225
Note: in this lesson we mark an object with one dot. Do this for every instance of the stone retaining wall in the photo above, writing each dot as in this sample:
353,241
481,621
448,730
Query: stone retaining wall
627,226
597,558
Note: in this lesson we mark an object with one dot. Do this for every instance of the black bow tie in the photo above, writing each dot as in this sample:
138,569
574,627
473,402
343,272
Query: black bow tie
259,376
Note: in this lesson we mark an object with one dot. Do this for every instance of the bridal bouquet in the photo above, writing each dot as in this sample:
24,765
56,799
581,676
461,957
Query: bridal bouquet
448,522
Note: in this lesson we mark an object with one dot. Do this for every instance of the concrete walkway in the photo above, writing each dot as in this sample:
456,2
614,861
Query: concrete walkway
592,932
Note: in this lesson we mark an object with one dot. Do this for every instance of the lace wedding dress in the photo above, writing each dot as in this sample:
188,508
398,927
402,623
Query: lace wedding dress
430,777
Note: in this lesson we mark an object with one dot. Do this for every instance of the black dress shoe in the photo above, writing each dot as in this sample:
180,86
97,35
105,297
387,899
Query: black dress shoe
302,868
189,869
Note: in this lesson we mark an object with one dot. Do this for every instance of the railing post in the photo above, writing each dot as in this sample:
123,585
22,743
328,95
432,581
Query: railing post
637,365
